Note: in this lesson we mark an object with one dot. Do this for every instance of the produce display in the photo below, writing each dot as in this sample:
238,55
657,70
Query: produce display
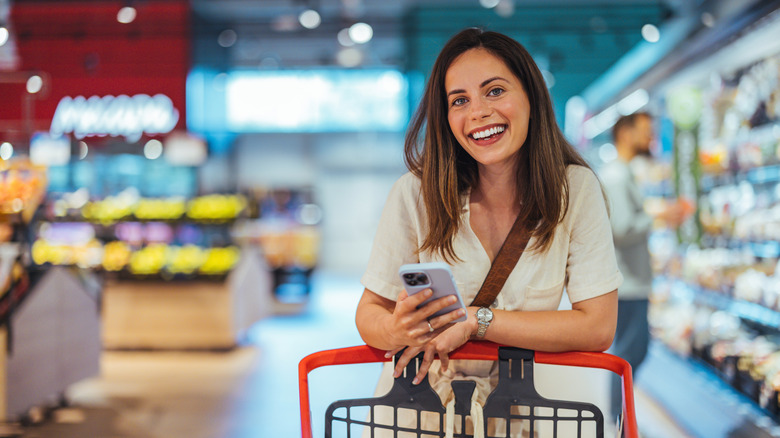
174,237
22,187
216,207
126,207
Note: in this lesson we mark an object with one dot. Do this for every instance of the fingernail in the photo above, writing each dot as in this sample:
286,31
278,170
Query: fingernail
387,355
428,292
396,374
461,312
415,381
452,299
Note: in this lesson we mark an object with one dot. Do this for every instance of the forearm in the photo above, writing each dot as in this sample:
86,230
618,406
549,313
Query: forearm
371,324
558,330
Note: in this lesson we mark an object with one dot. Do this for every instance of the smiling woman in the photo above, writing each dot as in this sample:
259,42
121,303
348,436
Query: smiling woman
485,155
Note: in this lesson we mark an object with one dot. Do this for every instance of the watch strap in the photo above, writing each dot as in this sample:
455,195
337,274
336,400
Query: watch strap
482,326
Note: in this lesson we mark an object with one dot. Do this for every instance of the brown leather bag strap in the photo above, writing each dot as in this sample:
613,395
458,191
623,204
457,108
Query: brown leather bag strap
503,264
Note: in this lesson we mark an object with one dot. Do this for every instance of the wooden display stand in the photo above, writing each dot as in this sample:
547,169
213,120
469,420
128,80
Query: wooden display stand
187,315
54,342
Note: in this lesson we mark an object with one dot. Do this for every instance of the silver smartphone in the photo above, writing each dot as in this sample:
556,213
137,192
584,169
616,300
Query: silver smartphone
434,275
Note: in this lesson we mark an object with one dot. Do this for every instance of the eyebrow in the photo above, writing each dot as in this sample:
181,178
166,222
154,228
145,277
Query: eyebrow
485,82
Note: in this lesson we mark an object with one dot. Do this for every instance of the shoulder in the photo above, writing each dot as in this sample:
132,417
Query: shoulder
580,177
585,187
615,170
408,182
407,188
405,192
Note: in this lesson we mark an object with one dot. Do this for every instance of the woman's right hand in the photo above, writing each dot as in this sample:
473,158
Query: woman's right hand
413,327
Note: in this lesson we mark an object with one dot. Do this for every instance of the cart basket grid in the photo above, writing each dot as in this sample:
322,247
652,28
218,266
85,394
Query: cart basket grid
514,403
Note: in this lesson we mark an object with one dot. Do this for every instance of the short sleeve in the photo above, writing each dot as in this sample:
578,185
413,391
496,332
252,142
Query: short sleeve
591,266
396,239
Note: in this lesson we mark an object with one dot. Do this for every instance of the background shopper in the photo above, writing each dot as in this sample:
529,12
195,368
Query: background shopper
483,150
631,225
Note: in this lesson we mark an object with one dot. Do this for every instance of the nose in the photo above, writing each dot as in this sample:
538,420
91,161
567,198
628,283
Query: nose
480,109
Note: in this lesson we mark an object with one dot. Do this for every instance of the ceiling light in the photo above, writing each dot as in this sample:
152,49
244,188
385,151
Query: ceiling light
227,38
310,19
489,3
83,150
633,102
3,35
650,33
708,19
605,119
6,151
549,78
34,84
344,38
153,149
608,152
349,57
126,15
505,8
361,33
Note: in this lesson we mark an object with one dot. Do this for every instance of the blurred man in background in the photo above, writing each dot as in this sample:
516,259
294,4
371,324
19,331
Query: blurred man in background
631,225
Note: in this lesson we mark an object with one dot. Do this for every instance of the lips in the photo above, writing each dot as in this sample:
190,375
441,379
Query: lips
487,134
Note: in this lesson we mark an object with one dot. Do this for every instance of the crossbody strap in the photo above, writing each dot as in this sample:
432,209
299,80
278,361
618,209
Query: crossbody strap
503,264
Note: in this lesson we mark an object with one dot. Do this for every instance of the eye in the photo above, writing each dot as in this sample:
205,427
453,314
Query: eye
458,102
496,91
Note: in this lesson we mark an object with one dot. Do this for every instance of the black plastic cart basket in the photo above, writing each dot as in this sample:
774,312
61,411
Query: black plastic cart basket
514,400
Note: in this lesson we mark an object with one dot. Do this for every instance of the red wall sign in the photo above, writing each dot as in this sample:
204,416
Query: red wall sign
81,49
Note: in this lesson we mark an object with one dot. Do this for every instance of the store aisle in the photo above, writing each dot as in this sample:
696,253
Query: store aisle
248,392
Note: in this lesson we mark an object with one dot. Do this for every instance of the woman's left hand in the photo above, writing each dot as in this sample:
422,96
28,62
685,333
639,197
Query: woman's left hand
450,338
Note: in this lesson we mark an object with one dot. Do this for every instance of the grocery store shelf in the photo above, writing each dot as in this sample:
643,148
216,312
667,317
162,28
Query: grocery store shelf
701,403
745,310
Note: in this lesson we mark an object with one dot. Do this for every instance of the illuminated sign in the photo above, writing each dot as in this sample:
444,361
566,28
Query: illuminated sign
126,116
316,101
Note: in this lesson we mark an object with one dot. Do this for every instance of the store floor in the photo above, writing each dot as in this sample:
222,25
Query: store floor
248,392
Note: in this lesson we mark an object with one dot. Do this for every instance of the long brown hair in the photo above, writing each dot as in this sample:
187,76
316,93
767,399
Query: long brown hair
447,171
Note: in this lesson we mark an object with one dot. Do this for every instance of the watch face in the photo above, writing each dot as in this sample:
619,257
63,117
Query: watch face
484,314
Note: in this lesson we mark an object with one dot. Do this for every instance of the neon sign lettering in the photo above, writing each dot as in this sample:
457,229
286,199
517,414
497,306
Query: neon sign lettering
122,115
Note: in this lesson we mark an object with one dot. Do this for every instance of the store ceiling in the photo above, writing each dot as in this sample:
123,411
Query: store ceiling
575,40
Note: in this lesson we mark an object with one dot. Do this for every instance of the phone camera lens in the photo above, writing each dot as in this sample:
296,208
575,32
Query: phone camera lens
422,278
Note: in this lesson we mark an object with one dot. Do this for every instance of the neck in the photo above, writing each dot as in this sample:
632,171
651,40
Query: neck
496,186
625,152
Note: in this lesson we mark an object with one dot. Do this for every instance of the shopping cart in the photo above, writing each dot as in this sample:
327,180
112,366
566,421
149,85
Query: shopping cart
515,389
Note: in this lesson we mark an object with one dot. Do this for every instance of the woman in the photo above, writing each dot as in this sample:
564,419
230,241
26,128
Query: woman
483,148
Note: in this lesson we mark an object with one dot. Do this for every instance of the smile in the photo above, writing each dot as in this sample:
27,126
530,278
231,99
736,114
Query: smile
479,135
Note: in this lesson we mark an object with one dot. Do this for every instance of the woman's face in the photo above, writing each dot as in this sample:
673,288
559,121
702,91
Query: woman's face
488,108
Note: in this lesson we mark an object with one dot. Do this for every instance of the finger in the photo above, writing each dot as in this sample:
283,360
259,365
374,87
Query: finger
444,358
412,301
440,321
425,365
404,360
392,353
438,304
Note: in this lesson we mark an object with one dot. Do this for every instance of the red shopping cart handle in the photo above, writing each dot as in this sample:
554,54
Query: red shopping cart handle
477,350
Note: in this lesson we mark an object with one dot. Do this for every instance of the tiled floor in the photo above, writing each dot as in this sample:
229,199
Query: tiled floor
248,392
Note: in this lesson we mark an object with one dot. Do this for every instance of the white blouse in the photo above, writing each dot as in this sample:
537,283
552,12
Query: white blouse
580,258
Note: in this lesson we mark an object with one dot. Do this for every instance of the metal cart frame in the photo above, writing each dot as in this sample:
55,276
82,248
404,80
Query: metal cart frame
404,394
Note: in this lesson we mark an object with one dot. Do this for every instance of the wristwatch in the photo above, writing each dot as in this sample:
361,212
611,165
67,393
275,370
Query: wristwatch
484,316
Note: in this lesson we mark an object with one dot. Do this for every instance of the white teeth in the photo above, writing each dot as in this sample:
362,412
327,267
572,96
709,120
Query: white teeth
488,132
